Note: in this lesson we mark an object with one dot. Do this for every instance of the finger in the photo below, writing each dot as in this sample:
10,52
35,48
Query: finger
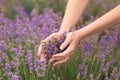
58,63
70,49
41,53
47,39
54,59
59,55
66,42
42,56
40,50
67,52
40,47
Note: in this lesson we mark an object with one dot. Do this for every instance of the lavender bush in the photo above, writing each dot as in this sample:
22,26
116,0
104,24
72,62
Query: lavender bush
19,41
95,58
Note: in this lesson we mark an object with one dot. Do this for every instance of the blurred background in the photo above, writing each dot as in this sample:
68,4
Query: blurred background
8,6
24,23
96,7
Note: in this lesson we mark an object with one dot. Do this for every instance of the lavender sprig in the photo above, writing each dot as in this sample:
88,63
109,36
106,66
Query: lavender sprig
53,46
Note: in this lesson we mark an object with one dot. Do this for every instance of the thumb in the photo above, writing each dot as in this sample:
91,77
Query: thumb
65,43
46,39
41,54
40,50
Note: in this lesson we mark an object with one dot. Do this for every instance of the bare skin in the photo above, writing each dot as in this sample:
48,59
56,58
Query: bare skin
72,15
106,21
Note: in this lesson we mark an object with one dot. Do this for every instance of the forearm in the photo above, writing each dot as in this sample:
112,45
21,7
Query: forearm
74,10
108,20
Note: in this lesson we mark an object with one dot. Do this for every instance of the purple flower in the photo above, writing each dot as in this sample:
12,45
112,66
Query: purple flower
0,60
22,36
62,39
86,48
53,46
2,46
29,61
15,77
40,67
83,70
91,77
15,63
8,67
14,50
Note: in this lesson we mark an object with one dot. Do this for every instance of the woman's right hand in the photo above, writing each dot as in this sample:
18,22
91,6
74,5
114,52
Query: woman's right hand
55,35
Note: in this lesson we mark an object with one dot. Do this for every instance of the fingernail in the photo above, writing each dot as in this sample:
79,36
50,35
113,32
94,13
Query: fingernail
61,48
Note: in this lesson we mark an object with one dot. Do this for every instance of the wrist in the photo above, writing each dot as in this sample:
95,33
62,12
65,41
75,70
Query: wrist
62,30
79,35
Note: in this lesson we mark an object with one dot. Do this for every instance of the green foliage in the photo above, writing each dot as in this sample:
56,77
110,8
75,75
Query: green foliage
28,4
42,4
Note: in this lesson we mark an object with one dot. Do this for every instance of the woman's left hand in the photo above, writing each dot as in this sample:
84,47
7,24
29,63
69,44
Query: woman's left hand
72,40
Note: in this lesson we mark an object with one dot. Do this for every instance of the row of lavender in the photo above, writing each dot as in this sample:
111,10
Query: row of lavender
20,38
19,41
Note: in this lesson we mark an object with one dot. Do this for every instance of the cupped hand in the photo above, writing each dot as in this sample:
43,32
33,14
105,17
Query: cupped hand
56,35
71,41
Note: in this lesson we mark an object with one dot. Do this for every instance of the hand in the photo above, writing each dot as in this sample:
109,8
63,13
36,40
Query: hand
55,35
72,40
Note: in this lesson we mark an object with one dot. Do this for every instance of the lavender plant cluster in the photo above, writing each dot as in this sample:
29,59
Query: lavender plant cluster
104,62
17,64
20,39
29,26
53,46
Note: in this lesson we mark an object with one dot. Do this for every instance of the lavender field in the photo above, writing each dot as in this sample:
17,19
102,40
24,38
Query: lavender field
95,58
